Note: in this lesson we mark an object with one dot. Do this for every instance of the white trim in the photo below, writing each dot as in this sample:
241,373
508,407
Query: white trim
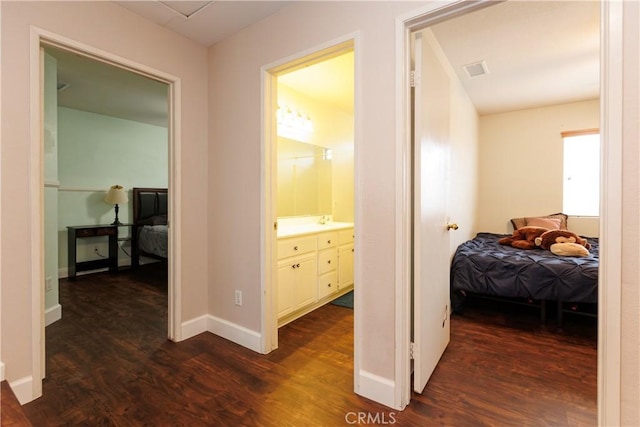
405,24
1,371
223,328
193,327
609,321
23,388
235,333
52,314
610,276
268,215
377,388
39,37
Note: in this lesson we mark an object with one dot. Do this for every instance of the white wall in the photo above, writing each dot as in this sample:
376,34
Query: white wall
521,164
111,28
630,226
236,157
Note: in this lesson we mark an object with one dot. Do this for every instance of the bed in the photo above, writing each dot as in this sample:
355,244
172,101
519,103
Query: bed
483,267
149,232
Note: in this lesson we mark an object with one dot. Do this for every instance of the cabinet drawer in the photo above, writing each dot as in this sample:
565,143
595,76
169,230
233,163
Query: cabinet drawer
327,240
345,236
295,246
327,284
86,232
105,231
327,261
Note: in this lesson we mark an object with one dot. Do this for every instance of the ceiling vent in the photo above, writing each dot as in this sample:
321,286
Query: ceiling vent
476,69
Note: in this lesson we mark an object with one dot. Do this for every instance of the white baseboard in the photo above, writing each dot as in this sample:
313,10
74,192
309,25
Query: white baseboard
63,272
52,315
23,389
376,388
193,327
235,333
1,371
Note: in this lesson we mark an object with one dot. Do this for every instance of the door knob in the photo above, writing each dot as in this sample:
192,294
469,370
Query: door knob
453,226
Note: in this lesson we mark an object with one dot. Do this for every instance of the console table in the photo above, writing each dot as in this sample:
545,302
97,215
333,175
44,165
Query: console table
82,231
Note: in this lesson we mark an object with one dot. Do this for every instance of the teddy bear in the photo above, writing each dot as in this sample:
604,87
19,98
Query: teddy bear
524,237
550,237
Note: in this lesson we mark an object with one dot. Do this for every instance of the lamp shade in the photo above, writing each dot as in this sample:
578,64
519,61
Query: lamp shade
116,195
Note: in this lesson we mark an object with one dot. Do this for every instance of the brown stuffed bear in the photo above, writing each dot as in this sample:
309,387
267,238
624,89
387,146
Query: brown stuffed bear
560,236
524,237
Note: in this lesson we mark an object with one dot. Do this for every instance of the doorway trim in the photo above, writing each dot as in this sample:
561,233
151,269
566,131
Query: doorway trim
269,259
609,321
38,38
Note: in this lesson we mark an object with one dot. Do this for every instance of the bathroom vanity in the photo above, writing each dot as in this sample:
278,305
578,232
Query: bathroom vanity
315,264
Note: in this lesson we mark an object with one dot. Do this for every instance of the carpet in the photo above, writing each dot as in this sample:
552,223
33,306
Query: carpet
345,300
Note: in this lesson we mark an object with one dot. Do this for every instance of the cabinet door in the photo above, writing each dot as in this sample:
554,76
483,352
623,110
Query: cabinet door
345,266
327,284
286,286
306,280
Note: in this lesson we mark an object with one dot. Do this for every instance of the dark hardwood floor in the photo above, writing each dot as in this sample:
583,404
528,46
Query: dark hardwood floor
109,363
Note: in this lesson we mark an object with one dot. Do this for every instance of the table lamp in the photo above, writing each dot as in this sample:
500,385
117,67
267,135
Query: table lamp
116,195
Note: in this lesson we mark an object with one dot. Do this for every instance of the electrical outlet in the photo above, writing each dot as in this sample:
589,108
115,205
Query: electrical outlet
48,284
238,297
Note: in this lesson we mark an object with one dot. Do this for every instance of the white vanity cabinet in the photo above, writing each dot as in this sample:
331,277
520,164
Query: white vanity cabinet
313,269
327,264
297,273
345,258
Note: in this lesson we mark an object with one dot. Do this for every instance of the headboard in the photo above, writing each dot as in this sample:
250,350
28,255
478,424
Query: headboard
149,203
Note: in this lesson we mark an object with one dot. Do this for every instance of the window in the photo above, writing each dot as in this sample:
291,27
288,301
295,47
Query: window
581,180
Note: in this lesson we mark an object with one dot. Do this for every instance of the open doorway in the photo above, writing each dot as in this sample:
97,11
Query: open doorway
312,191
578,111
44,146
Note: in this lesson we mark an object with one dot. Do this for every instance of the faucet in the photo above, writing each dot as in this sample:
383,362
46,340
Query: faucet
324,219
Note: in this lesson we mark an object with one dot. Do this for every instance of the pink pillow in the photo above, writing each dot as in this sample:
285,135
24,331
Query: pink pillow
550,223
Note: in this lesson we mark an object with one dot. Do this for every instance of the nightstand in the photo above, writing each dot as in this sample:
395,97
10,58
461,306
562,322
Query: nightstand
82,231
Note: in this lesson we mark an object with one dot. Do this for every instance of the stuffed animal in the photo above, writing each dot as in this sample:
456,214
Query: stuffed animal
524,237
569,249
551,237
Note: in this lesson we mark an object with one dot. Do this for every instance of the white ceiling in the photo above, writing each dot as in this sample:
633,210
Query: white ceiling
537,53
212,21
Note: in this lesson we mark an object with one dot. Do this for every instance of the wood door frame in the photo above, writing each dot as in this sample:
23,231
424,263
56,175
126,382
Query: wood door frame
609,322
40,37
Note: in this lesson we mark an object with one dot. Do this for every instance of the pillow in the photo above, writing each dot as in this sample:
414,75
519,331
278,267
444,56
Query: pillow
550,223
522,222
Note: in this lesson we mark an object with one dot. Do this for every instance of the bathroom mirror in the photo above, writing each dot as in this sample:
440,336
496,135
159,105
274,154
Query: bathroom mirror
304,179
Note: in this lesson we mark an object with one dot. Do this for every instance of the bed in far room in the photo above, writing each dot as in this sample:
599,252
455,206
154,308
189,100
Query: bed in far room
483,267
150,232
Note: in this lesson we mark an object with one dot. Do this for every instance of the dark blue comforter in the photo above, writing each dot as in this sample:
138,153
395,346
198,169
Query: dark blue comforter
482,266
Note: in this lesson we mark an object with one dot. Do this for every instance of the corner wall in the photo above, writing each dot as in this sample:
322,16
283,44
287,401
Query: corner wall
110,28
521,164
236,159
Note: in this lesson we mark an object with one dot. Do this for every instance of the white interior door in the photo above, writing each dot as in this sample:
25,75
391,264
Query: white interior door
432,119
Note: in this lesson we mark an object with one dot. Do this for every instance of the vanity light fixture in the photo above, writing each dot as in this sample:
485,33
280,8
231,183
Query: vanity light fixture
294,124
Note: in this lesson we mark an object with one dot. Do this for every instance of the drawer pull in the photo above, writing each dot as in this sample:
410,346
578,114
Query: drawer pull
328,242
329,285
297,265
329,262
295,248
